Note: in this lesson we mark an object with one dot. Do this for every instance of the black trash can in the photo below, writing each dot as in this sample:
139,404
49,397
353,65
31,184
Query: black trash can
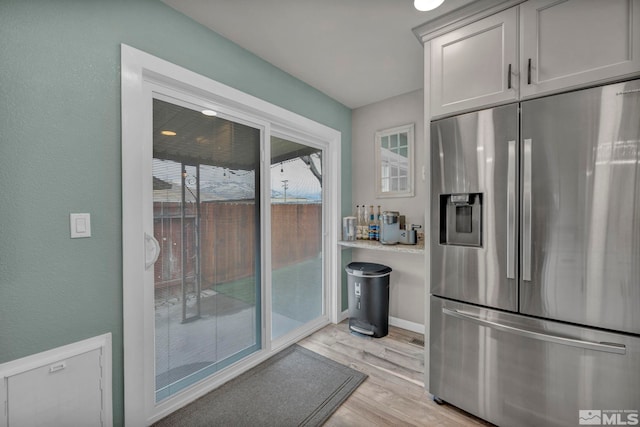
368,287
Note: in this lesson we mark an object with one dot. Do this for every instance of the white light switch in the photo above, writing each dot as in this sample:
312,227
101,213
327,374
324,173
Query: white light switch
80,225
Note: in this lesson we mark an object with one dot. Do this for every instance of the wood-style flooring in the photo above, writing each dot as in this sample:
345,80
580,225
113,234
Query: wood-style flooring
393,394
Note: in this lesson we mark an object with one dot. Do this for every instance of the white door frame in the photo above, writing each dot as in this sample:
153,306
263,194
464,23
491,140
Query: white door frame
141,73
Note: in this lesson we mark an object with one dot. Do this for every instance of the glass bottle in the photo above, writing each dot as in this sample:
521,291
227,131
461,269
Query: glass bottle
358,223
372,224
378,224
364,224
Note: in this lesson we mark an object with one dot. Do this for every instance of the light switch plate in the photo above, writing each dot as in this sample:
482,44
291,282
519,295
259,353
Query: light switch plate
80,224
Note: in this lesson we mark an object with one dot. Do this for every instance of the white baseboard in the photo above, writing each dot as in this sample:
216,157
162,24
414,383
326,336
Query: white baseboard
405,324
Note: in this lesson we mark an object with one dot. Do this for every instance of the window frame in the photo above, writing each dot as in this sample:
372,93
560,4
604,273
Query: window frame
143,74
382,174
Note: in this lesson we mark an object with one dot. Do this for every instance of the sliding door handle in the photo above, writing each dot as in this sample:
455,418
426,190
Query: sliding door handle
526,211
526,333
511,210
151,251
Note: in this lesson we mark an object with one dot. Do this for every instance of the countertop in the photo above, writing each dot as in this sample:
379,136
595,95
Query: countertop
374,245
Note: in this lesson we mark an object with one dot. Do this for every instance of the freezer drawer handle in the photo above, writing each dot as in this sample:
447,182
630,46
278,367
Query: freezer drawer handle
588,345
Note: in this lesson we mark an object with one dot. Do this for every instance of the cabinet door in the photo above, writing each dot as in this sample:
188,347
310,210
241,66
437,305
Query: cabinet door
569,43
475,66
66,393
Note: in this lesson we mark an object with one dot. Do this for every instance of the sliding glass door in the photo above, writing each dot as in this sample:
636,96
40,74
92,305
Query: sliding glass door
297,258
206,220
230,218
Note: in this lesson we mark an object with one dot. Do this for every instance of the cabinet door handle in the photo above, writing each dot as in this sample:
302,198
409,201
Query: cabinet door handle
529,72
509,77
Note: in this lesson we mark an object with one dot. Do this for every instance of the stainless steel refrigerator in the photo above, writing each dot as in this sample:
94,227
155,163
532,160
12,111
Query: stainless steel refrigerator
535,259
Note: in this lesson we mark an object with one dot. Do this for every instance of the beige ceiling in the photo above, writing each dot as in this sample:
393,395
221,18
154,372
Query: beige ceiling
356,51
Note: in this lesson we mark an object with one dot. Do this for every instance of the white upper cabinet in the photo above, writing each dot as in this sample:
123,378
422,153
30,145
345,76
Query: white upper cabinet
570,43
498,51
475,65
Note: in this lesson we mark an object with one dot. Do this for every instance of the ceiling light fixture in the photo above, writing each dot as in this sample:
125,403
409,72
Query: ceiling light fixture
209,113
168,133
424,5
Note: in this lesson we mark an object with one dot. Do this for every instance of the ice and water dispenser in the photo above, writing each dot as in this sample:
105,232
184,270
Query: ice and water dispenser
461,219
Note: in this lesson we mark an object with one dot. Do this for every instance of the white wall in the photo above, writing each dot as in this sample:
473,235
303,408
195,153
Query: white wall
406,300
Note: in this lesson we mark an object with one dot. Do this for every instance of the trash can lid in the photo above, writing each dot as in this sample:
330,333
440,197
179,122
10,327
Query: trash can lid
367,269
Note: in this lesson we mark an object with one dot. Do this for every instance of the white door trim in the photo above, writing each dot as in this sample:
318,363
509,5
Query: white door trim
141,71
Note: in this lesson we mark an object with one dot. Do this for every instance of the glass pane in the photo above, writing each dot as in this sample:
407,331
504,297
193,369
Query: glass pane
296,235
385,184
385,169
393,141
206,219
403,183
403,139
385,142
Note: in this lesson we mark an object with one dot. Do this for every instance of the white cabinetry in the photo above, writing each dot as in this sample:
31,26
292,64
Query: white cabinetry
572,43
527,49
65,386
66,393
475,65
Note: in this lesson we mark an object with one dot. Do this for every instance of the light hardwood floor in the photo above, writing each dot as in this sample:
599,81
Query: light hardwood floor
393,394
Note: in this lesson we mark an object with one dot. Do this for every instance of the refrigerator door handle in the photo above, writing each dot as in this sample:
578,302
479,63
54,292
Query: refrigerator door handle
526,211
587,345
511,211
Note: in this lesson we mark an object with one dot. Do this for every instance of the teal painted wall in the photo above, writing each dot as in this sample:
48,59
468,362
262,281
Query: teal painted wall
60,153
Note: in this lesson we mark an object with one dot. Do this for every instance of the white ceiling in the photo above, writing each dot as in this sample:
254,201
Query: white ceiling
355,51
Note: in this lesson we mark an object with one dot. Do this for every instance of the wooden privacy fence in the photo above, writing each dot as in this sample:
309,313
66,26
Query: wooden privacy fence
228,239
